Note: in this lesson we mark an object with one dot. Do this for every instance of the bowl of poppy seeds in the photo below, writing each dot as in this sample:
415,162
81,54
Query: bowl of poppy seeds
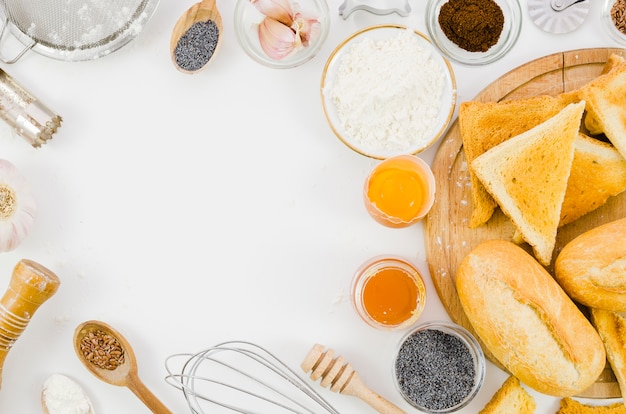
474,32
439,367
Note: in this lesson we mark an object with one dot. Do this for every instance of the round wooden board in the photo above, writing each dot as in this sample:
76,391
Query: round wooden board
448,238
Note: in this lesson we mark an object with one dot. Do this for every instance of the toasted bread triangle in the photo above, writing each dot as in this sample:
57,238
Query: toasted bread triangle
606,105
527,176
483,125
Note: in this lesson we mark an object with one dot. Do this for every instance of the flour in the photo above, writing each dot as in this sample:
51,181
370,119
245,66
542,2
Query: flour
61,395
388,92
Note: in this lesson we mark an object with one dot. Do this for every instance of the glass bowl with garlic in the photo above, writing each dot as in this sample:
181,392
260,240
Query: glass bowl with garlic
282,34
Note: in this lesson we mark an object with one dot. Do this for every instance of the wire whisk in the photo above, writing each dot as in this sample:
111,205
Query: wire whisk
245,378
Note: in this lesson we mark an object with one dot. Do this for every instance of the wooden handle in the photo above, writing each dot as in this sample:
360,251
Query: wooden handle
146,396
31,285
357,387
342,378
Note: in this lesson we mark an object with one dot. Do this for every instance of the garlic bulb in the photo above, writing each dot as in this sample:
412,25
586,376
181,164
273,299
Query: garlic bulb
17,207
276,9
284,30
307,28
277,40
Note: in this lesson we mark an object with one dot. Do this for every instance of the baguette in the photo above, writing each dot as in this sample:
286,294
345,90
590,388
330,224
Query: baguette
511,398
528,323
592,267
527,175
611,327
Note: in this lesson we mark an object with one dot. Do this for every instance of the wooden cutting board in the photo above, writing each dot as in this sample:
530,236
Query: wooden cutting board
448,238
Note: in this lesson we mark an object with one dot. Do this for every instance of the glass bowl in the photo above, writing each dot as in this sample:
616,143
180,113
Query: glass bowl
381,108
512,12
247,20
388,293
439,367
609,25
399,191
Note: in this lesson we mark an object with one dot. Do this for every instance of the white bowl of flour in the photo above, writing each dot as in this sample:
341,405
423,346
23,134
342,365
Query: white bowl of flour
387,91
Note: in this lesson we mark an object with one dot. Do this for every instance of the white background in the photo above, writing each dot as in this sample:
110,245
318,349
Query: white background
188,210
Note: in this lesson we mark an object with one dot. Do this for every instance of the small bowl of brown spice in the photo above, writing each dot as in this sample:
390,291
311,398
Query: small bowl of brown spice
474,32
614,19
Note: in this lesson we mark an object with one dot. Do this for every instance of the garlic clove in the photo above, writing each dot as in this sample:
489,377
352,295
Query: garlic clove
280,10
17,207
307,28
277,40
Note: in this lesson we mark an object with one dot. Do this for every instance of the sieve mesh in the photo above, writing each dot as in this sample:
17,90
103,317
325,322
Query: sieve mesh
77,29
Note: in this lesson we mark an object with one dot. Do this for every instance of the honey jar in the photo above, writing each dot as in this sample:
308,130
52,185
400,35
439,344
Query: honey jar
399,191
388,292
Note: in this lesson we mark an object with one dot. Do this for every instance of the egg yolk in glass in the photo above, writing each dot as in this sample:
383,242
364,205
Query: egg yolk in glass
397,192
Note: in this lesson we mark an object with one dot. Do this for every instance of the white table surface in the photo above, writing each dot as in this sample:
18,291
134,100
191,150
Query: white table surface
191,210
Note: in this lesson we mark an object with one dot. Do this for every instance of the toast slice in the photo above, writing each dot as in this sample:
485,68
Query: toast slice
571,406
511,398
527,176
483,125
606,105
598,173
611,326
590,120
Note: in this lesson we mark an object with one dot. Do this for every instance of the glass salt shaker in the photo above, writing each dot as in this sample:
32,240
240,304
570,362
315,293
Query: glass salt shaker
31,119
380,7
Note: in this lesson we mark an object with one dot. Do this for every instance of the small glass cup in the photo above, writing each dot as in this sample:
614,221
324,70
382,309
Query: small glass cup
609,25
399,191
388,293
433,349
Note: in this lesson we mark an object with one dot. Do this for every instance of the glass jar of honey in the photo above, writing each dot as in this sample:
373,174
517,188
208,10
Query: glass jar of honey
388,292
399,191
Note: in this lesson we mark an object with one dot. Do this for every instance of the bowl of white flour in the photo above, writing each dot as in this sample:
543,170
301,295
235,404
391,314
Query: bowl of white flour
387,91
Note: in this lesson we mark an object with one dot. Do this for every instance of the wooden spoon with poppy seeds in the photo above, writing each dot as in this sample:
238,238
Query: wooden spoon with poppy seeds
118,366
196,37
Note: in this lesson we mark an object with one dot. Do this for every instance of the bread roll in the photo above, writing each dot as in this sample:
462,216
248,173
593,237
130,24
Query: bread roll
611,327
527,321
592,267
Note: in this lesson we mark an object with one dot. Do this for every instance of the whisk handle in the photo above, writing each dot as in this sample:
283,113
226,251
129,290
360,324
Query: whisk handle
146,396
357,388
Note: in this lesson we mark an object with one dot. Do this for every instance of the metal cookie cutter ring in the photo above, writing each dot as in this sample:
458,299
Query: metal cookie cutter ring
558,16
379,7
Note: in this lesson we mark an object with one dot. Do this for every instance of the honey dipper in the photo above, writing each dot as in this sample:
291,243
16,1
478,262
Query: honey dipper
342,378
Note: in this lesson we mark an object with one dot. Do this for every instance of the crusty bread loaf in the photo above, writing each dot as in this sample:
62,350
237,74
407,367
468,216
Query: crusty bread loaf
527,175
571,406
483,125
592,267
511,398
526,320
590,119
606,102
611,327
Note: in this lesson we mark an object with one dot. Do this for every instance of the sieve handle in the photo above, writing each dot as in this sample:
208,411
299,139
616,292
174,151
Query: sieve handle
3,31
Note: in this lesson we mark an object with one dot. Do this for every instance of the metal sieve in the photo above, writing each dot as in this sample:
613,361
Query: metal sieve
73,30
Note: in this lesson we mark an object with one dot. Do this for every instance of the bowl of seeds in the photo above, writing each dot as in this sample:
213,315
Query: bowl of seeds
614,19
439,367
281,34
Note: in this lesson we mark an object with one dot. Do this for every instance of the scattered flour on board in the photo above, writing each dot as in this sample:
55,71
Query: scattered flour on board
387,92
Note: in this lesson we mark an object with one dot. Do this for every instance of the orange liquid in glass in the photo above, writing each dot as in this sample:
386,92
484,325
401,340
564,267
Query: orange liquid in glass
397,192
390,296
